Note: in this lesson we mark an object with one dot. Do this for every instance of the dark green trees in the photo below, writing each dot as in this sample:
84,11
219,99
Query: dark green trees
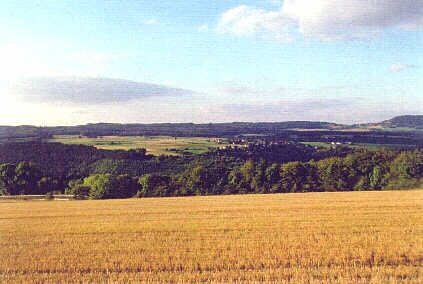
103,186
210,175
154,186
335,175
8,183
20,179
406,170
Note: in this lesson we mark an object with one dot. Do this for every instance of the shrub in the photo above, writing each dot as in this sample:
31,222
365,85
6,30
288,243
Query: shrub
49,195
81,192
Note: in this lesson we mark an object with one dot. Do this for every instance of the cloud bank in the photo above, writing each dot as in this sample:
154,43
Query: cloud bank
285,107
323,20
162,104
87,90
399,67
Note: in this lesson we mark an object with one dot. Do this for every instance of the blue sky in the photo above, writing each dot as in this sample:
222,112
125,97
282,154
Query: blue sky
74,62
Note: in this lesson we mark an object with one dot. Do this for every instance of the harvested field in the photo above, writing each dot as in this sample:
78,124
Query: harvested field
345,237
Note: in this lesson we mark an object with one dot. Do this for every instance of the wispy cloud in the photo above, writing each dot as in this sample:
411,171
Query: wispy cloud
331,110
246,90
296,92
323,20
168,105
284,107
399,67
87,90
150,22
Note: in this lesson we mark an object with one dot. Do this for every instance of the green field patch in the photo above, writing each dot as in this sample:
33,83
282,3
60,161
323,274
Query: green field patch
360,145
156,145
318,144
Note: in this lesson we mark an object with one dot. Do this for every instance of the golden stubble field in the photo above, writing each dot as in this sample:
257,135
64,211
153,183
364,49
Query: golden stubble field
356,237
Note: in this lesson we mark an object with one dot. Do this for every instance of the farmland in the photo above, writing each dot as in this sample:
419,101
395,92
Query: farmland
169,146
156,145
368,146
311,237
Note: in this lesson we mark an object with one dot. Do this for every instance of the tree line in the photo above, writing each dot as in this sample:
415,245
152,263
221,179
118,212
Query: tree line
362,170
217,174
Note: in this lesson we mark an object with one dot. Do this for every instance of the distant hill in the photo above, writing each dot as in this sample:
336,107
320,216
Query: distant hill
409,121
19,131
401,124
166,129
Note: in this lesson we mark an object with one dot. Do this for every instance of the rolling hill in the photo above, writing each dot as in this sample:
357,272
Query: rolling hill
405,123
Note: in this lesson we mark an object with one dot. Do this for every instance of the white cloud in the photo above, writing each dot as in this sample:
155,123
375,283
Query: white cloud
248,21
85,90
324,20
399,67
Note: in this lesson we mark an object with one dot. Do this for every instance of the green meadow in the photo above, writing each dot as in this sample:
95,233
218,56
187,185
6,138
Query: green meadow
156,145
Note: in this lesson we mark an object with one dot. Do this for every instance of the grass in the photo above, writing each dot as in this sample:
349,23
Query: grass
355,237
318,144
156,145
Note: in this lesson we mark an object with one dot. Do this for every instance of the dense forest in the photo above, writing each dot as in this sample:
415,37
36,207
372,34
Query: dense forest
87,172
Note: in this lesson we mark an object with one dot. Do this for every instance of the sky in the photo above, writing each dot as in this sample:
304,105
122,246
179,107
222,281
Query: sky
76,62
